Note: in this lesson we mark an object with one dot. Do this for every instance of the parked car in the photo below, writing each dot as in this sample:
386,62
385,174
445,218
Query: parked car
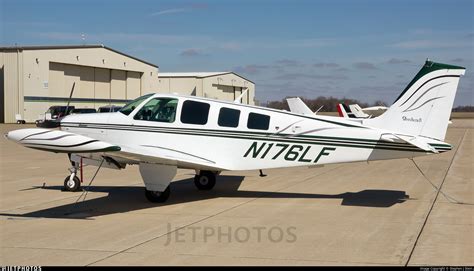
59,111
51,118
83,111
109,108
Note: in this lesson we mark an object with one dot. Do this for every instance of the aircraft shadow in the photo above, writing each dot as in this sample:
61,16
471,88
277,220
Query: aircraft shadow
121,199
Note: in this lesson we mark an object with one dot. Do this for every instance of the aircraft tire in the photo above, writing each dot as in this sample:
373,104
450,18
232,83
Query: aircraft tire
73,186
205,181
156,196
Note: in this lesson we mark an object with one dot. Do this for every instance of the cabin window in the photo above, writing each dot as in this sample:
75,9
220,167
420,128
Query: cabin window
128,108
228,117
158,109
195,112
258,121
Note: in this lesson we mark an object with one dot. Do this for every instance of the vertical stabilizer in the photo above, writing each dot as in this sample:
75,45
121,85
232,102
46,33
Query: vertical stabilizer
424,106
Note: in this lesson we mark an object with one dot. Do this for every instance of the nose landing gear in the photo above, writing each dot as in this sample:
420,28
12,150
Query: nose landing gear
72,183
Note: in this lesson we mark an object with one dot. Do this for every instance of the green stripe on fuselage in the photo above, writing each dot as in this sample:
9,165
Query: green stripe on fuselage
248,136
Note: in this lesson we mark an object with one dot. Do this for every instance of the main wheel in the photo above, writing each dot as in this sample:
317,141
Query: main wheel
205,181
156,196
72,185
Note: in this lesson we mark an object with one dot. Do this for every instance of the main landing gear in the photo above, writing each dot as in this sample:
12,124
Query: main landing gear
205,180
157,179
157,196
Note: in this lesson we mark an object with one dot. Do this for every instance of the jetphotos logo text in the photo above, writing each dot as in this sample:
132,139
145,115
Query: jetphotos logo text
412,119
227,234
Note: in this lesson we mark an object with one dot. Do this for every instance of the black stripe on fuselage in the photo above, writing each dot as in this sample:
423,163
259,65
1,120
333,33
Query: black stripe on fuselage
238,134
194,130
313,140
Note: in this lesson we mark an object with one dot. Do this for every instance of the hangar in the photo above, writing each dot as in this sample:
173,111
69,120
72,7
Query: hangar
32,78
225,86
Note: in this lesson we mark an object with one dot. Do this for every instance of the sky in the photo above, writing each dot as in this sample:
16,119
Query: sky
367,50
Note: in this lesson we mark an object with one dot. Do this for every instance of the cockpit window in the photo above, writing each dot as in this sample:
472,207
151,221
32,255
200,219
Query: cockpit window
128,108
158,109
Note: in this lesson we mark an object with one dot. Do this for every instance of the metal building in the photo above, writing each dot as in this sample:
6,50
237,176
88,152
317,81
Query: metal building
32,78
217,85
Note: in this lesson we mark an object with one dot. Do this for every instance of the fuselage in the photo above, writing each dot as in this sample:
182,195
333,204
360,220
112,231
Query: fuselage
234,136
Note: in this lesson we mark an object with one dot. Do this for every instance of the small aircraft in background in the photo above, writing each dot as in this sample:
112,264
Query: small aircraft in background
355,111
297,106
162,132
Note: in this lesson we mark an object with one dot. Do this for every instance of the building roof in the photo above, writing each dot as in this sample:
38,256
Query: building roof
196,75
52,47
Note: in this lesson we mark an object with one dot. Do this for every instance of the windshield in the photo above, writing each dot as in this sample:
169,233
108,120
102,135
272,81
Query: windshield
128,108
158,109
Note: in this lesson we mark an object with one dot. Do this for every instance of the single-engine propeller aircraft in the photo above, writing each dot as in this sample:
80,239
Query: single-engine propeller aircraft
163,132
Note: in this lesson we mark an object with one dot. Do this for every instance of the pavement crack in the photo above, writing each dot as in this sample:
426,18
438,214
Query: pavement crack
435,199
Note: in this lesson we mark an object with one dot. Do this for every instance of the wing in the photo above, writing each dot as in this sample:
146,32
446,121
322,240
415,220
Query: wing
166,156
93,149
59,141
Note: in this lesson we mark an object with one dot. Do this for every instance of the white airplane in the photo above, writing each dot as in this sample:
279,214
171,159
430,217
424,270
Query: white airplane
355,111
297,105
375,111
162,132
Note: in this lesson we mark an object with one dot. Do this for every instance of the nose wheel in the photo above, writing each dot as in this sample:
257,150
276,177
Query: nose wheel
205,180
72,183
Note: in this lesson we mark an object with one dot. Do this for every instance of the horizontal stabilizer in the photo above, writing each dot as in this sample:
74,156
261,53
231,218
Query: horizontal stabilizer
59,141
413,140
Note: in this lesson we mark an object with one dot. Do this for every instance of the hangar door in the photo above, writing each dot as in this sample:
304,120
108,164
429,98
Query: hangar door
93,83
2,97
